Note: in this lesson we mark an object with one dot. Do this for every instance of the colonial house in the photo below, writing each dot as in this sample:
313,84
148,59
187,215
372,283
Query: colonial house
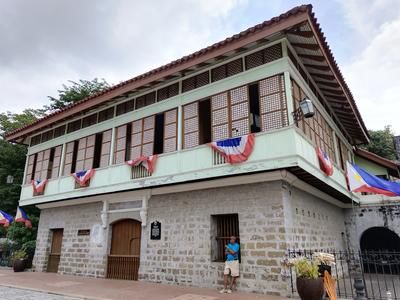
167,216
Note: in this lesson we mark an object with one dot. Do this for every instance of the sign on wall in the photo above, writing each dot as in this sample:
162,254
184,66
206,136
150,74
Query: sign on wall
155,231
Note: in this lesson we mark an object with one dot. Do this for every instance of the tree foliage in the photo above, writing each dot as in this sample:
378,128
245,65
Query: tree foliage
11,121
382,143
76,92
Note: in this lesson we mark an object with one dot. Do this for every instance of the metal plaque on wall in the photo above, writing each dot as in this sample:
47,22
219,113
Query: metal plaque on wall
155,231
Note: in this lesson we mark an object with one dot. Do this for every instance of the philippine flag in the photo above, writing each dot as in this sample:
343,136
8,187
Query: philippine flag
235,150
38,185
325,162
82,177
149,162
21,217
5,219
361,181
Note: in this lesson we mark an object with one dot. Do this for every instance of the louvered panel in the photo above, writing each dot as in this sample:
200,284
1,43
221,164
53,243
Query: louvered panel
136,151
44,174
188,84
136,139
105,148
137,126
39,166
190,125
148,123
147,149
234,67
148,135
56,162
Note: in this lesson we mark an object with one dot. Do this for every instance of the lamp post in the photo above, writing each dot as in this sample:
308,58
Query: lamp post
305,110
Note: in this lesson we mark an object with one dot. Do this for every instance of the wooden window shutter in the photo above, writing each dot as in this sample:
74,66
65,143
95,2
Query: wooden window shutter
120,144
56,162
148,135
273,106
29,170
69,153
84,159
239,106
230,114
45,164
170,130
136,139
191,125
105,148
39,164
220,126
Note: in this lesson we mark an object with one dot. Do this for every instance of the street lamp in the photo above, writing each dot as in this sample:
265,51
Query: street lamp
305,110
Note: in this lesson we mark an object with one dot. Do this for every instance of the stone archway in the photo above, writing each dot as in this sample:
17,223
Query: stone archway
379,238
380,248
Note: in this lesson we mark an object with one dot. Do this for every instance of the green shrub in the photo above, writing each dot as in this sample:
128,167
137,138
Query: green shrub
19,254
306,269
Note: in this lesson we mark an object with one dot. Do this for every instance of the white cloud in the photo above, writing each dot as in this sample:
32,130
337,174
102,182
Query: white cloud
373,75
45,43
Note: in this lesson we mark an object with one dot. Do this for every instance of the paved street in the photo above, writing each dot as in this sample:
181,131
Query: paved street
29,285
7,293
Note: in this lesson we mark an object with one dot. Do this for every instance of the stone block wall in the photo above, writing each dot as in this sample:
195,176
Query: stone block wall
312,223
80,255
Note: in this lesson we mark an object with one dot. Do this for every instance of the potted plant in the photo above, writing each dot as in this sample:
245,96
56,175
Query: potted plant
325,261
19,260
309,285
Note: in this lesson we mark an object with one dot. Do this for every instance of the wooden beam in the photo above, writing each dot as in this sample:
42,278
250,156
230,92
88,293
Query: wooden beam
331,84
317,67
306,34
305,46
312,57
334,92
323,76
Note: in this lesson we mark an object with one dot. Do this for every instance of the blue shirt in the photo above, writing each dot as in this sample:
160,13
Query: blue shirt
234,247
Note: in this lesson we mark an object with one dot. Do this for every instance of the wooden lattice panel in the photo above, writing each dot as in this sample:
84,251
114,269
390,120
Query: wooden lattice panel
191,125
105,148
234,67
221,132
56,162
263,56
68,158
170,130
29,170
240,127
120,144
273,106
220,116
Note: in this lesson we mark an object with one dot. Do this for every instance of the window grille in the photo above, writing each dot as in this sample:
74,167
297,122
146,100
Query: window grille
89,120
218,158
74,126
106,114
47,136
223,227
226,70
168,92
35,140
59,131
263,56
140,172
125,107
195,82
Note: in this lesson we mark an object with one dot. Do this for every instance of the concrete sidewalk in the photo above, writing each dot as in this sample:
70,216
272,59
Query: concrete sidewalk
91,288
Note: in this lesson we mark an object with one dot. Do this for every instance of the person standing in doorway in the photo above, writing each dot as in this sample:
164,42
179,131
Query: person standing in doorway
231,265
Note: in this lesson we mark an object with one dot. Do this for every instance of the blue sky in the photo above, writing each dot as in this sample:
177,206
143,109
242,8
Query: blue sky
45,43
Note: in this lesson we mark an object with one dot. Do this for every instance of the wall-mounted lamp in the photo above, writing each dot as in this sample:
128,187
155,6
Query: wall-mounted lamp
305,110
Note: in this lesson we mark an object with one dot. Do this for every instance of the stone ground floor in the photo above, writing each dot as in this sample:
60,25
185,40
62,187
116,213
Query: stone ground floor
50,286
177,236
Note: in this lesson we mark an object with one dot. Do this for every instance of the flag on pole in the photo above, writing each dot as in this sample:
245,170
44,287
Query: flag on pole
38,185
149,162
5,219
235,150
82,177
325,162
21,217
361,181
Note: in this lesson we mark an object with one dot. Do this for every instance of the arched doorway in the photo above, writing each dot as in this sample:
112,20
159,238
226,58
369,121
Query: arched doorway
124,258
380,249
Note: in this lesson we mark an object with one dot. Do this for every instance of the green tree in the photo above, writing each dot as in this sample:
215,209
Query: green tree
381,143
75,92
11,121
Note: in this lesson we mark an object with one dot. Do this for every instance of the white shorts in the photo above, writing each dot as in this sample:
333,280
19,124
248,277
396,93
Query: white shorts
232,267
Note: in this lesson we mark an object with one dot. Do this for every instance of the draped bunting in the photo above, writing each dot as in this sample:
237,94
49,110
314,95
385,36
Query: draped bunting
82,177
325,162
360,180
149,162
39,185
235,150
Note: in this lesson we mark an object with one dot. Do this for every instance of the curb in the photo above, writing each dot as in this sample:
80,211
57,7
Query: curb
80,297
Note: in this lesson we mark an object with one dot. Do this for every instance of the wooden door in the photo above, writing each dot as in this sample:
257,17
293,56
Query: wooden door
123,261
55,251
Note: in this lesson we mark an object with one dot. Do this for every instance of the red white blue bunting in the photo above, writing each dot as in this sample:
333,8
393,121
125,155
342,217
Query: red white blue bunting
82,177
149,162
235,150
325,162
39,185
